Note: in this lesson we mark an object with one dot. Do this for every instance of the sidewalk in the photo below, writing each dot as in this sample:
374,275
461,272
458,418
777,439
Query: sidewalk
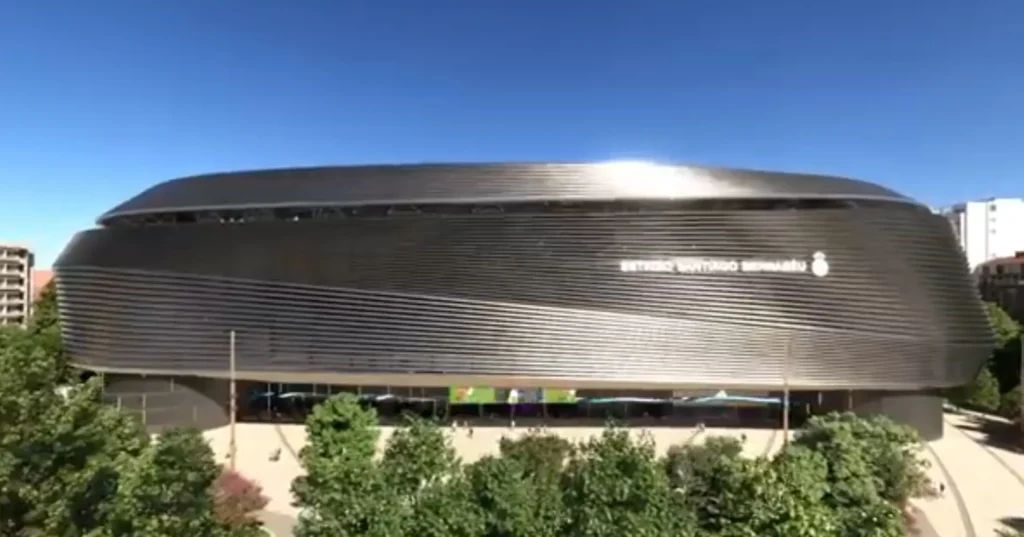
990,493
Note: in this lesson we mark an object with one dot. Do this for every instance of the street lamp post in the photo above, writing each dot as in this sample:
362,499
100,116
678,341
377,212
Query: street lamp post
233,406
785,392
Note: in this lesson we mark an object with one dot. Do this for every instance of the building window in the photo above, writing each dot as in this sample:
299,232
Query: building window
992,207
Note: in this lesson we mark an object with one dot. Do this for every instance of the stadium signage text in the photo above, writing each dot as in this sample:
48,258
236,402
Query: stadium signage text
717,265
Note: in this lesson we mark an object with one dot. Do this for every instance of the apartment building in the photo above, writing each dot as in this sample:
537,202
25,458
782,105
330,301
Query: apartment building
988,229
1000,281
16,263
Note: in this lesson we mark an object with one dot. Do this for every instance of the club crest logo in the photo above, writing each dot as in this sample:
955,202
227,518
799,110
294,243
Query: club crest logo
819,265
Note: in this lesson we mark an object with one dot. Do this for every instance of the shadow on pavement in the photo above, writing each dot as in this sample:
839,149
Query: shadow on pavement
997,434
1014,523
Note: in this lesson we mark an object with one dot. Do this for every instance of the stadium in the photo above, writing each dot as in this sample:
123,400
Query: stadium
541,285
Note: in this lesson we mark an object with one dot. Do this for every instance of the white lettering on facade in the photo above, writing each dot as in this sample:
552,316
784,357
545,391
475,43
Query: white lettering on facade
713,265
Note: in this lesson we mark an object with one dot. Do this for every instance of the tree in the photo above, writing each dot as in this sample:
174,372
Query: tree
874,468
343,493
615,486
44,326
506,500
165,491
61,457
727,492
421,469
543,454
417,455
1005,363
519,494
796,504
74,467
733,495
446,509
1004,327
45,312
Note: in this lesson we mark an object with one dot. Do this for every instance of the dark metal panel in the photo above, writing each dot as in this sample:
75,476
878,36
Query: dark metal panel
540,296
167,401
447,183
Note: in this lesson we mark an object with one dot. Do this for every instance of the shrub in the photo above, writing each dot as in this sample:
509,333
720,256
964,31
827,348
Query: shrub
1009,404
981,394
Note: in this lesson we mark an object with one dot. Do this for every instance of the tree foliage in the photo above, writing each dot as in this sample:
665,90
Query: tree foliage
1004,327
981,394
1009,404
44,328
843,476
542,454
60,457
508,502
165,490
71,466
45,313
236,499
343,493
614,485
874,468
1005,362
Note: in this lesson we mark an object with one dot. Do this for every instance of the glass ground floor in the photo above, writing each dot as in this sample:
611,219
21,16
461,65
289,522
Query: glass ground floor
291,403
203,402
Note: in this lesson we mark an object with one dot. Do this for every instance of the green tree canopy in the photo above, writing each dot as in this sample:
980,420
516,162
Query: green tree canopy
343,493
874,468
165,489
615,486
44,327
1004,327
71,466
45,313
420,467
60,457
1005,362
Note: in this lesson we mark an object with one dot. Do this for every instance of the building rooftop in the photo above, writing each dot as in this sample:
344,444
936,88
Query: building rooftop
1016,259
422,184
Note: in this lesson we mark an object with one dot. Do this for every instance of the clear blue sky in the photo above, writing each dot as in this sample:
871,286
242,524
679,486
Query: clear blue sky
102,98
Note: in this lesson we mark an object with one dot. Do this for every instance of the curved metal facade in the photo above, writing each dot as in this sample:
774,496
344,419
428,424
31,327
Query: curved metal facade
665,293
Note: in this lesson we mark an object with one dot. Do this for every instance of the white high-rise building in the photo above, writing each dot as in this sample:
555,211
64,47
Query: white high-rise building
15,284
988,229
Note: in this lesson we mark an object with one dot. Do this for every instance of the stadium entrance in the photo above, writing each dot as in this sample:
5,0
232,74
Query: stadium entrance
291,403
